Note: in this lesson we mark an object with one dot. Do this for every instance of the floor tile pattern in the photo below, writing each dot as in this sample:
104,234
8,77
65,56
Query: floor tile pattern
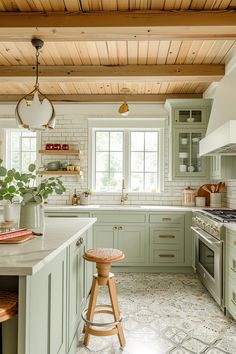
166,313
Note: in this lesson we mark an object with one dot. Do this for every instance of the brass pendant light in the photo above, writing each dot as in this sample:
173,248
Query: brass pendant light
124,108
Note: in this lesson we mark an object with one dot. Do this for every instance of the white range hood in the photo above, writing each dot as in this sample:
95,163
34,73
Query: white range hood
221,131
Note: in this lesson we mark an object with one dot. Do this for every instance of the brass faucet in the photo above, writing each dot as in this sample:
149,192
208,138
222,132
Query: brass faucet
124,196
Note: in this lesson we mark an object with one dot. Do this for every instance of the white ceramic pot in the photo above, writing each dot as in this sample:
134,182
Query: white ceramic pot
11,213
32,217
215,200
84,200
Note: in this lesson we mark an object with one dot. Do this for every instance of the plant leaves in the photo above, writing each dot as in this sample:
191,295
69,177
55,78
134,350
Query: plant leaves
3,171
12,189
32,167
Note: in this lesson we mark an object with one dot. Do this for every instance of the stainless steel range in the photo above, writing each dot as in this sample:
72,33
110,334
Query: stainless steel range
209,233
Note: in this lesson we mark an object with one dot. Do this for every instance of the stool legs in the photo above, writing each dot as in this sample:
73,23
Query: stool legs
91,309
116,310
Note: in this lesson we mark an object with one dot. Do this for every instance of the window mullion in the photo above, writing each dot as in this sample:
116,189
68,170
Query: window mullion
126,158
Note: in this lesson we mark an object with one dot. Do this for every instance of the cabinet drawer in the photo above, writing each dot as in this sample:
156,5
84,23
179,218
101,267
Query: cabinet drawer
118,218
231,297
168,219
172,255
166,236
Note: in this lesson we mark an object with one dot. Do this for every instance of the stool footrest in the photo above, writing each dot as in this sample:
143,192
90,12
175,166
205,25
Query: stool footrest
105,333
99,324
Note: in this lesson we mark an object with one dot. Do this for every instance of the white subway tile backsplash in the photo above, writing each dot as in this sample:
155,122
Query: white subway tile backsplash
72,129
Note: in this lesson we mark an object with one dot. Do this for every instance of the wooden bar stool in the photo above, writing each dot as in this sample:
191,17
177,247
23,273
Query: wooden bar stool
103,257
8,309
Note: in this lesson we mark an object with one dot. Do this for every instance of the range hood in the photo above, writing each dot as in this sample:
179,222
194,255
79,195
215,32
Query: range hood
221,131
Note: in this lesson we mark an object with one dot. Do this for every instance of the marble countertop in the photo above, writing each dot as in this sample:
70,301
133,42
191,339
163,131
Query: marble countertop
111,207
29,257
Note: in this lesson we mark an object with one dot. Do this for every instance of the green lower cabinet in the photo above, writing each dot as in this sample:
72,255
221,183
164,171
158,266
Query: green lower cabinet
76,287
132,240
46,309
166,246
104,236
230,273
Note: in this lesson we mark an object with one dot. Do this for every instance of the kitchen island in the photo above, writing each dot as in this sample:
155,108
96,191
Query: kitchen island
52,281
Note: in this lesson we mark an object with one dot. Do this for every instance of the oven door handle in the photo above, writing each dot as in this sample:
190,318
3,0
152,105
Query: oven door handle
204,236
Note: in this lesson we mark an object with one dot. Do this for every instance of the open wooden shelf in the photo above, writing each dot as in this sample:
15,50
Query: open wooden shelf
59,152
78,173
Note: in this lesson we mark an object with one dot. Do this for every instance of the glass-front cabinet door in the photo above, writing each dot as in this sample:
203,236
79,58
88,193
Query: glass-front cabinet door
187,161
190,116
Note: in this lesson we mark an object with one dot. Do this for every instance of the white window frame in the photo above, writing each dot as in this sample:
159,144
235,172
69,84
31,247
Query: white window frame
126,125
6,157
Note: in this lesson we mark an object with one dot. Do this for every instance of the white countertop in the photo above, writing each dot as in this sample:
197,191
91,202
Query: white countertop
230,226
29,257
111,207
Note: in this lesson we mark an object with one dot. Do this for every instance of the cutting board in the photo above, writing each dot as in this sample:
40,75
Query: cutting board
19,239
202,193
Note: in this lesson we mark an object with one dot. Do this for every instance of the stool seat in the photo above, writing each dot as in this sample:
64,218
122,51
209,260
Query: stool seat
104,255
8,305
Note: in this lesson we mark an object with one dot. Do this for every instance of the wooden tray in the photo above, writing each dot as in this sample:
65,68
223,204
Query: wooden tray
19,239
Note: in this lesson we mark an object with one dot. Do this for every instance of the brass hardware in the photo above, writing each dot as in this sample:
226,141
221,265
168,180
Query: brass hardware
120,228
166,219
166,236
166,255
80,241
115,227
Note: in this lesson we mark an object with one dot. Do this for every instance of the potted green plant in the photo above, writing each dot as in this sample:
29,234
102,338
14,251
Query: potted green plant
32,196
85,197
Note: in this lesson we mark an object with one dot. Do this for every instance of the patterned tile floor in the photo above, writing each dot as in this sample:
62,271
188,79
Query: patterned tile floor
166,313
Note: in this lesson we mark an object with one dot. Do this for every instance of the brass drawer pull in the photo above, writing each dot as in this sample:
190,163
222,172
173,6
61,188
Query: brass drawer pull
166,219
166,236
120,228
80,241
167,255
115,227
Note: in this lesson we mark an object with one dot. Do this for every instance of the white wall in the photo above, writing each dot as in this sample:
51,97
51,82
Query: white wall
72,128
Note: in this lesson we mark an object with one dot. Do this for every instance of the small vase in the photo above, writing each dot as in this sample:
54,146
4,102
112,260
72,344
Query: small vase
32,217
11,213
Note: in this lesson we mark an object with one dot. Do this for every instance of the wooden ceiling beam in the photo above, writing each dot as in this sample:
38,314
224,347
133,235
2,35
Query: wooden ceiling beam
108,98
131,73
118,25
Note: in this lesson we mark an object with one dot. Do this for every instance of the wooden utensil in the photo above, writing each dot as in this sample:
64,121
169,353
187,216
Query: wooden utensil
222,187
205,187
213,188
218,187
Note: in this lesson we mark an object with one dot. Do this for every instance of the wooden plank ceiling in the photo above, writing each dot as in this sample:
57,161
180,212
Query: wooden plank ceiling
18,56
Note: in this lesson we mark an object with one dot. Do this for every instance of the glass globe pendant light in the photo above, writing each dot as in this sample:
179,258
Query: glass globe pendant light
35,111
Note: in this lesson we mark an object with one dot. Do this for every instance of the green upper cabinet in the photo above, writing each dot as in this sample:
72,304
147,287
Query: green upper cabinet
188,121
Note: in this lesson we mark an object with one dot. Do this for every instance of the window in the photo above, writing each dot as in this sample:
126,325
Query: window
126,153
20,149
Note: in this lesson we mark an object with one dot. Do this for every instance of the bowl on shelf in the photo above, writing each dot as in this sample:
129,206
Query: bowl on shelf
190,120
54,166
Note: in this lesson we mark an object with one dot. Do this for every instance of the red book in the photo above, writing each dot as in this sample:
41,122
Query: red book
15,233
